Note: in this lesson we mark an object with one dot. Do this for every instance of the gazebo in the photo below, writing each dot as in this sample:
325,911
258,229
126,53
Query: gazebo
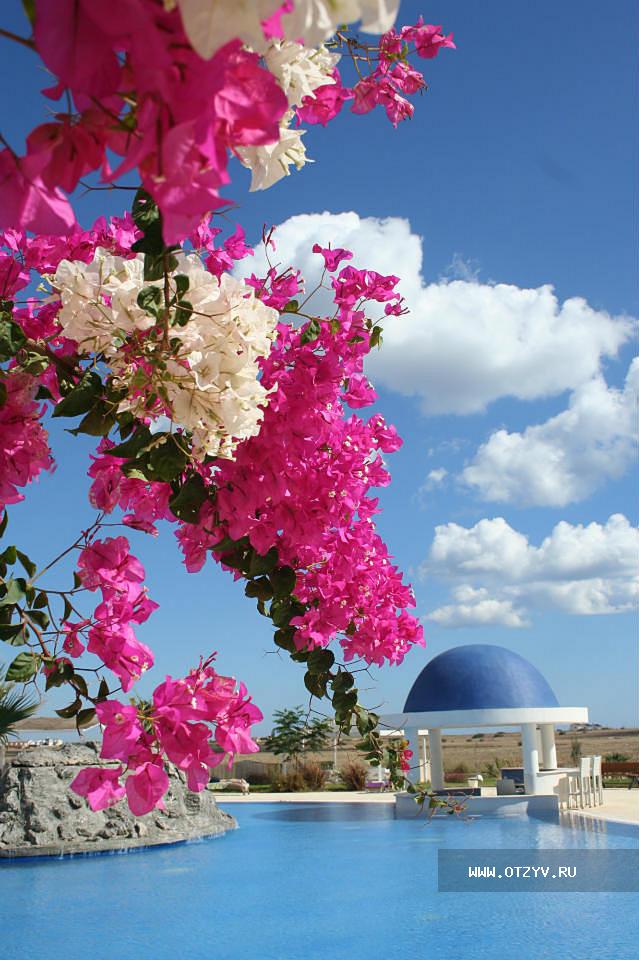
483,685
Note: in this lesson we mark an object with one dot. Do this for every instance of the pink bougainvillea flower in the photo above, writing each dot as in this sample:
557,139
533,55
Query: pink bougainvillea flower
360,392
26,202
24,447
100,785
146,787
122,729
325,103
109,563
72,643
332,257
429,40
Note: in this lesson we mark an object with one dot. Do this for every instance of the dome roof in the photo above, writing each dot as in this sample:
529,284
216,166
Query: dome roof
478,676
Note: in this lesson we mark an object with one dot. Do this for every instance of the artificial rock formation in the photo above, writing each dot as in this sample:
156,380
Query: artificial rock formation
39,815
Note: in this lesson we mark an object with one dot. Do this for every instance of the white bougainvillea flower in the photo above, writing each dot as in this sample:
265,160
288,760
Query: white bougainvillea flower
300,70
314,21
209,24
99,300
271,163
210,384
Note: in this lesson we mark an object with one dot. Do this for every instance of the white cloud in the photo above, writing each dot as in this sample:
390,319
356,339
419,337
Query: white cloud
475,608
435,478
566,458
582,570
464,344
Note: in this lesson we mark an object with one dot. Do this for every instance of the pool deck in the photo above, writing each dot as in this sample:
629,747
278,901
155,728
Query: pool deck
621,805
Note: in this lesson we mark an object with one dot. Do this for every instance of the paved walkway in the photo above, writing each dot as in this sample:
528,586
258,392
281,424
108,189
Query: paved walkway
621,805
329,796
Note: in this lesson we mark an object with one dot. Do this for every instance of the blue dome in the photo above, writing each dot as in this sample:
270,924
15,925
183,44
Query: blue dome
479,676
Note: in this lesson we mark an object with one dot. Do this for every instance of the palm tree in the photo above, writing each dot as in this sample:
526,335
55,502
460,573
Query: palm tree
15,705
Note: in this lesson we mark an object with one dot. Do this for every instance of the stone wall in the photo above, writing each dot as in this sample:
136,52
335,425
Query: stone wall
40,816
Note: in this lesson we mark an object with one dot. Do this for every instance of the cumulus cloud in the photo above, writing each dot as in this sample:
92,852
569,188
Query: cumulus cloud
495,570
475,608
464,343
566,458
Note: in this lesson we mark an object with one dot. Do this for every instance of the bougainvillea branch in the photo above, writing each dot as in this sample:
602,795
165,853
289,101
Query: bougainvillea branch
226,408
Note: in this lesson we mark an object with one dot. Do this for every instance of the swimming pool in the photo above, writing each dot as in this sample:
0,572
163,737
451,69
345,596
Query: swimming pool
309,882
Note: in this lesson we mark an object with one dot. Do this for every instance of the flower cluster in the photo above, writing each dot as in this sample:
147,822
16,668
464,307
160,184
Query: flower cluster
207,381
301,484
174,725
177,88
386,75
108,565
24,447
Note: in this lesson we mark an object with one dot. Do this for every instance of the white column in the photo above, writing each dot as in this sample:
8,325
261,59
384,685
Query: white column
549,751
410,734
540,748
530,755
424,766
436,759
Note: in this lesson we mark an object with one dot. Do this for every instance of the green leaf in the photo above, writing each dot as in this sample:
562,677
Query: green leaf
186,502
342,682
345,702
41,600
9,555
183,312
40,617
260,588
14,634
11,337
262,564
283,580
28,564
167,461
153,248
315,683
284,639
376,338
30,11
71,710
145,211
98,422
291,307
312,331
281,612
103,690
79,683
14,592
320,661
23,667
134,445
81,398
4,523
61,673
150,300
181,285
85,717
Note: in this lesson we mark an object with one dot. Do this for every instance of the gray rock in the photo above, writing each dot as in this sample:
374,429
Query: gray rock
39,815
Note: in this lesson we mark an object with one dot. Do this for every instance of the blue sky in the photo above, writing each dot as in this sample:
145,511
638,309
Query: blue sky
517,173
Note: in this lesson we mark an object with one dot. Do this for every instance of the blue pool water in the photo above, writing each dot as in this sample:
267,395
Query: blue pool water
310,882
